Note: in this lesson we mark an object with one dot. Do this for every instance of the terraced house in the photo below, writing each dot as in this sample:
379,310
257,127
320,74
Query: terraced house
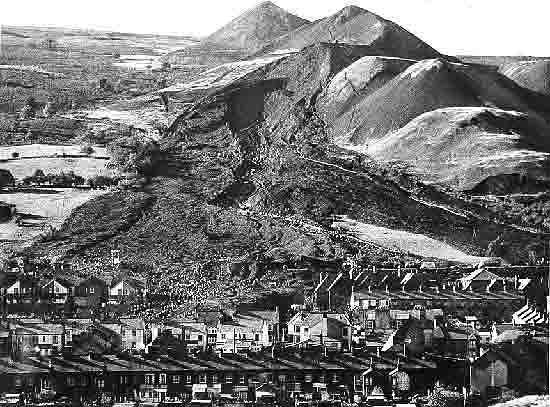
168,378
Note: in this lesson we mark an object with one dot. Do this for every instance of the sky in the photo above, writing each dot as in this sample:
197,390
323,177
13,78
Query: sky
474,27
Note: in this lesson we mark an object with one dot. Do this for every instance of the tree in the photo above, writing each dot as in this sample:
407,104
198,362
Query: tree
28,111
6,178
136,155
442,397
87,149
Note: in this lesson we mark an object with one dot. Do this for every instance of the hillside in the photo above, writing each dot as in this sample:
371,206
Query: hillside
533,75
354,25
249,171
256,27
463,146
377,103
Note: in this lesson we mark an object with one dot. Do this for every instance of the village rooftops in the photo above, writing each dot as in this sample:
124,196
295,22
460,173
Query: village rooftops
480,275
8,366
312,319
431,295
259,362
35,327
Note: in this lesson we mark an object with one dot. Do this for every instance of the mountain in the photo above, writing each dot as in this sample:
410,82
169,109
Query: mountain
256,27
464,146
354,25
533,75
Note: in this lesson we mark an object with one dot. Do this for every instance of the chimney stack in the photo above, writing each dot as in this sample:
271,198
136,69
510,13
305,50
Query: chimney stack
324,325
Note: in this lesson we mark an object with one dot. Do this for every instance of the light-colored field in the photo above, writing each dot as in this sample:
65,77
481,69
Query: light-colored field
403,241
41,150
85,167
53,207
526,401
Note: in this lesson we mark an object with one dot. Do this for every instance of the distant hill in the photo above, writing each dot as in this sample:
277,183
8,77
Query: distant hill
256,27
354,25
533,75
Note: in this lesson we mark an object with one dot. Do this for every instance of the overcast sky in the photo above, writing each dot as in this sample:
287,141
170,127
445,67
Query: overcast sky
478,27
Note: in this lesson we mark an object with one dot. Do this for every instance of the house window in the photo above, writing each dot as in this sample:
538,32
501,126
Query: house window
370,325
189,379
335,378
56,289
297,329
123,332
202,378
345,331
176,379
229,379
149,379
243,336
134,333
16,291
162,378
43,339
199,338
282,378
214,378
242,380
306,329
223,336
55,339
187,335
92,290
119,292
308,378
100,383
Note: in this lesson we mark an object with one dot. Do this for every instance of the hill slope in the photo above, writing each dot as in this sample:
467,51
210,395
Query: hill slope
366,103
533,75
256,27
249,172
354,25
463,146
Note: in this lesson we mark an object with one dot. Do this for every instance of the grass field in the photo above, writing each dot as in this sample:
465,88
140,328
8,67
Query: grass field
41,150
53,207
85,167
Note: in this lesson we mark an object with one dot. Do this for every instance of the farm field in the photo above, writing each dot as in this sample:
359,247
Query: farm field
54,208
41,150
85,167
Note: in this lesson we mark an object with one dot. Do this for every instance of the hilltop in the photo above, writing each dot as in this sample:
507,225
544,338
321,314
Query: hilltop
256,27
354,25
